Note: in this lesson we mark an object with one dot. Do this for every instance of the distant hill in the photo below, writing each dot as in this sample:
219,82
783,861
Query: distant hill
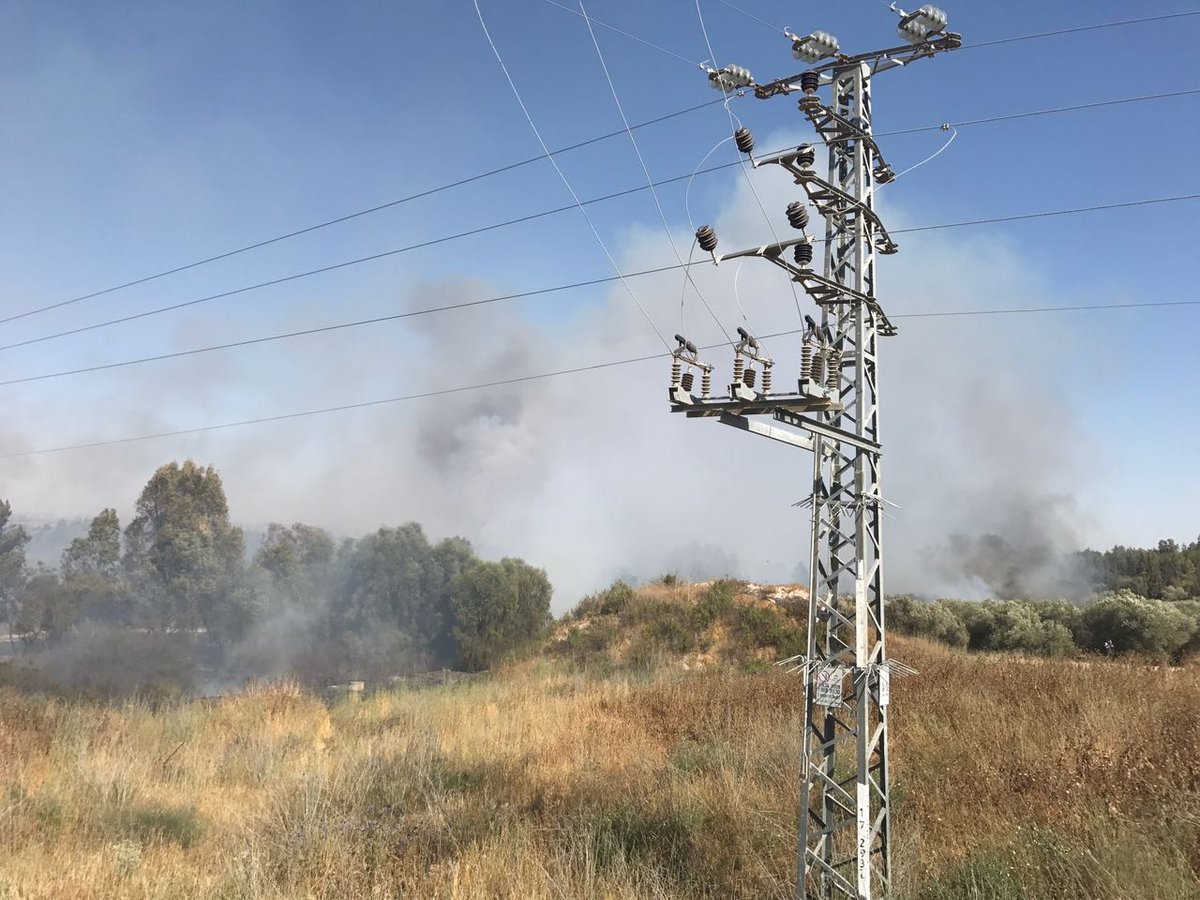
49,537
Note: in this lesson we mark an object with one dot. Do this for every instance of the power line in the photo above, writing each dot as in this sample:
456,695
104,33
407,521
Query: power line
743,166
938,152
1022,217
525,162
632,37
1017,310
1049,111
377,320
335,266
566,182
521,379
529,218
1081,28
340,326
751,15
334,409
646,171
354,215
474,231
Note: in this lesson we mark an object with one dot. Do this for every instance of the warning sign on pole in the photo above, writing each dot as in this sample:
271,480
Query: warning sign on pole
829,686
885,685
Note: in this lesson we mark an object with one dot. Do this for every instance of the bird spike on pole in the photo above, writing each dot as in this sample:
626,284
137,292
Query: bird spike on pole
845,839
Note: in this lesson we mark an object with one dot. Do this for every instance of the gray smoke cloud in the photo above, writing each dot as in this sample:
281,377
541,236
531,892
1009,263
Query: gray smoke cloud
1025,549
588,475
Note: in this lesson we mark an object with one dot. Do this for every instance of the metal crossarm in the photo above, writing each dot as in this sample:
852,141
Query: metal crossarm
844,847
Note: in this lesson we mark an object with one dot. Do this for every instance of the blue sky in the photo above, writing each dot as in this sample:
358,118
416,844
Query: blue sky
141,136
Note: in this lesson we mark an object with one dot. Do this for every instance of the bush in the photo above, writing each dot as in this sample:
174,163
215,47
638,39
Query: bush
596,638
1136,624
938,621
666,626
612,601
1017,627
716,603
110,662
760,628
498,608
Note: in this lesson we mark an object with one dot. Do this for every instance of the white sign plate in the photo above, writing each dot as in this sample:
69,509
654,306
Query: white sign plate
829,686
885,685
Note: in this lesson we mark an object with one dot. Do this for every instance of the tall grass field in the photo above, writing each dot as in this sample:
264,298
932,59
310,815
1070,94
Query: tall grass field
568,776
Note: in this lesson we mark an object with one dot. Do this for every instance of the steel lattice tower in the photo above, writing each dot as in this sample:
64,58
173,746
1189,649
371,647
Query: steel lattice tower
845,827
845,831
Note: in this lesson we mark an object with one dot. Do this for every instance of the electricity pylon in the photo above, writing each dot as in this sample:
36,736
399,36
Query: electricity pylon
845,826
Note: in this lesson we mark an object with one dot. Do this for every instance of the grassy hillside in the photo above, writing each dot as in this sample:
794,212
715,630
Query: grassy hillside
606,770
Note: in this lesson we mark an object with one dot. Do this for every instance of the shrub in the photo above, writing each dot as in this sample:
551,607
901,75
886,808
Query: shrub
611,601
938,621
1017,627
1136,624
498,608
666,626
758,628
714,604
1048,628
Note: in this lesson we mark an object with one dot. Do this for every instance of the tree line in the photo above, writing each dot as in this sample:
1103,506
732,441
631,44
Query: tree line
1169,571
1111,623
175,587
1141,601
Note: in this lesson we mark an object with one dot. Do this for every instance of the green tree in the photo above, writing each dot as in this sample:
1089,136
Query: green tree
91,571
45,612
937,620
498,607
12,564
391,610
100,551
1018,627
300,562
1139,625
185,559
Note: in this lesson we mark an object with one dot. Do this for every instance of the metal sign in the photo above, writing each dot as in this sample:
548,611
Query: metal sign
828,684
885,685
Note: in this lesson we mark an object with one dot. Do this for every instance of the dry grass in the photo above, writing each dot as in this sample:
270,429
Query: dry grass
1013,778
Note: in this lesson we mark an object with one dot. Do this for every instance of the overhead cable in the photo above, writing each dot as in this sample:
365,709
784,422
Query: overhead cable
538,377
566,182
525,162
743,166
608,279
354,215
504,224
750,15
632,37
363,259
1081,28
646,171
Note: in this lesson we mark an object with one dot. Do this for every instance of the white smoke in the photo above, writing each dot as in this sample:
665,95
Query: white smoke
588,475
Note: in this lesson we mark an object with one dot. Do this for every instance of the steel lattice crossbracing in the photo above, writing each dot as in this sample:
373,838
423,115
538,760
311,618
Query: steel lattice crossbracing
844,829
